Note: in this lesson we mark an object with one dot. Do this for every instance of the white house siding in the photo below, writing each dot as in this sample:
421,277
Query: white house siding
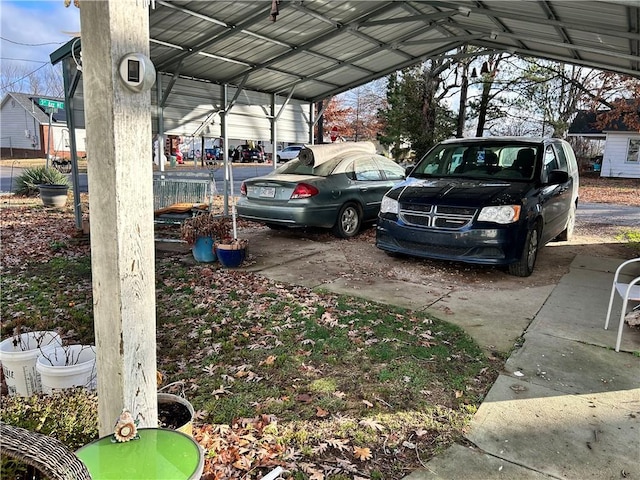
614,162
24,134
19,128
60,141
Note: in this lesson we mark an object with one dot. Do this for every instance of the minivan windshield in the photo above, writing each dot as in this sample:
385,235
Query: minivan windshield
482,160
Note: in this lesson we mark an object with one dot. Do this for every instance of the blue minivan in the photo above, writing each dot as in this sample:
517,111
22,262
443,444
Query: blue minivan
493,201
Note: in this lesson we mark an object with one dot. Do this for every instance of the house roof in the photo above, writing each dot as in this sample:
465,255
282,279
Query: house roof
30,104
586,121
318,48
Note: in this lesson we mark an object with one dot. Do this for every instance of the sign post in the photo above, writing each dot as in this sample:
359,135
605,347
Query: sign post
51,107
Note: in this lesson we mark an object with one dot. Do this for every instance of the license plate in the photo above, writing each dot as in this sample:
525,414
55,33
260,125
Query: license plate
269,192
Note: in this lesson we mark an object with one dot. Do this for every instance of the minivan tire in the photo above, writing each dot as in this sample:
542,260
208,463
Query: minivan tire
567,233
524,266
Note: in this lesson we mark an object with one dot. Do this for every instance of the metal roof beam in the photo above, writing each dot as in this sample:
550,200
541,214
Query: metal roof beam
563,59
582,27
427,18
548,11
172,82
496,21
383,46
316,41
634,26
251,17
571,46
383,73
458,38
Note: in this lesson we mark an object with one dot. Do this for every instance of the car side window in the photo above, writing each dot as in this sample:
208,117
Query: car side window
391,171
550,162
365,169
562,160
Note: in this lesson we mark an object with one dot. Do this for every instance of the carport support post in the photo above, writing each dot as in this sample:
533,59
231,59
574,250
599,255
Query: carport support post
274,131
120,181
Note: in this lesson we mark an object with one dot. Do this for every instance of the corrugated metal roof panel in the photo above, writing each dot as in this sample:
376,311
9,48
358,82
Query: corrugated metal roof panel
311,39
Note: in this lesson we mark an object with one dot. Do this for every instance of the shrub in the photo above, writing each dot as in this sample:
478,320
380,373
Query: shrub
27,183
70,416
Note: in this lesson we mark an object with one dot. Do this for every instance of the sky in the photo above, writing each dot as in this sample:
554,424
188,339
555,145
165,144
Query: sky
31,31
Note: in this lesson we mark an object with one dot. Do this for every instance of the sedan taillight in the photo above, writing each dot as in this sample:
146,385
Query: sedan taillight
304,190
243,189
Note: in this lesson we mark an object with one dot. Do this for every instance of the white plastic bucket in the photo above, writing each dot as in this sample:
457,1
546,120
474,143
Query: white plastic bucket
66,367
19,355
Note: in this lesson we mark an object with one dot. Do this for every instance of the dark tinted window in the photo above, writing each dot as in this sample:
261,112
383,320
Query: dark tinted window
562,160
486,159
549,162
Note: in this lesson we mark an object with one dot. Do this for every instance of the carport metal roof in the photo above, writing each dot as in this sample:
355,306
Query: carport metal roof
319,48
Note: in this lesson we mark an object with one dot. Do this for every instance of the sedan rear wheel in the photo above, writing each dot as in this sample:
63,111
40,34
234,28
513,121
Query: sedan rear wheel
524,266
349,220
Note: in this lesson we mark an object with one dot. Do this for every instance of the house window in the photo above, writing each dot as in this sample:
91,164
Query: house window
633,154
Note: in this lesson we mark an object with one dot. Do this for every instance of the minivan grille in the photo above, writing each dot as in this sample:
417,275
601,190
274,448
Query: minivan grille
436,216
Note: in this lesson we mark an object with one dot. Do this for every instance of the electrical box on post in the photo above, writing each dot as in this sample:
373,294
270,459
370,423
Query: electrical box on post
137,72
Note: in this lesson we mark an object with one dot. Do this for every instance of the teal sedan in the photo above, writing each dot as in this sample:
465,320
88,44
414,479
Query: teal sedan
336,186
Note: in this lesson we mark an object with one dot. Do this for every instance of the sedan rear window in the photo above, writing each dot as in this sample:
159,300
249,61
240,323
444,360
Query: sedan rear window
297,167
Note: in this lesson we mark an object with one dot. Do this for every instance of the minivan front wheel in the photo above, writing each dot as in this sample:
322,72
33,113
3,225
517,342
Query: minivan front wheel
524,266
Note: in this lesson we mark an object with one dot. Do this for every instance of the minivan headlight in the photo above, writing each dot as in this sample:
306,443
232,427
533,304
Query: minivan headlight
500,214
389,205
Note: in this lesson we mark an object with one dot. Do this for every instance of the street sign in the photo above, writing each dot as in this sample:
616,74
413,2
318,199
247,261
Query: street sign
334,133
46,103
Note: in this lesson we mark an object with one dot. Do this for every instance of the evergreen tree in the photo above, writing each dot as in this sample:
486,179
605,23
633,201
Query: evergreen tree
416,111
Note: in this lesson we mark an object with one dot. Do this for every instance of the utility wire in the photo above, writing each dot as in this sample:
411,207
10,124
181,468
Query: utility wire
28,74
23,60
31,44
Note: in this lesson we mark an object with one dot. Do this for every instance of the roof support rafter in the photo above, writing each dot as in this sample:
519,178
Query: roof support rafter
581,27
318,40
548,11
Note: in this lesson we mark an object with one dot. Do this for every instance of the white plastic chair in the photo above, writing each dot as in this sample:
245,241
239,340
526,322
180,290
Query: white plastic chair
628,292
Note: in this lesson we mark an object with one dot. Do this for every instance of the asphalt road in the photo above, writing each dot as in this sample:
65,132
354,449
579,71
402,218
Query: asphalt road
607,214
600,213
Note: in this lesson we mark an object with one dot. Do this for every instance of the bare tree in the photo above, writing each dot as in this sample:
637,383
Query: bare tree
45,80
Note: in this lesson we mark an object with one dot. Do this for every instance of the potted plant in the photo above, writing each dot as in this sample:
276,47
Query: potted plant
19,355
231,251
201,232
52,185
66,367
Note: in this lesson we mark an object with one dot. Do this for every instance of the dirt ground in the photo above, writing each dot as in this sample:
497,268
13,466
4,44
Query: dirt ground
365,261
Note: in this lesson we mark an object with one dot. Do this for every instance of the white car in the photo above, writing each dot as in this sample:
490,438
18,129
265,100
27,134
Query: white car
289,153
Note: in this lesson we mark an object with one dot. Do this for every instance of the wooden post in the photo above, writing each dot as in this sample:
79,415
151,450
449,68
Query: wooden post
118,126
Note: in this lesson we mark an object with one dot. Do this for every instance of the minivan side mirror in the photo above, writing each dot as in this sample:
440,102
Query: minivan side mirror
557,177
408,170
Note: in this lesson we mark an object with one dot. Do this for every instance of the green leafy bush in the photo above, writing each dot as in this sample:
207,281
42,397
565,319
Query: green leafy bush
70,416
27,183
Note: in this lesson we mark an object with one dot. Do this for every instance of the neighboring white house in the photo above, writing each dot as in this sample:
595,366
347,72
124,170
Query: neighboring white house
24,129
621,154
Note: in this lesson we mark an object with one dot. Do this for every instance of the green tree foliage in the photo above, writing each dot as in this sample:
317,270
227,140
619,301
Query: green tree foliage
416,111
